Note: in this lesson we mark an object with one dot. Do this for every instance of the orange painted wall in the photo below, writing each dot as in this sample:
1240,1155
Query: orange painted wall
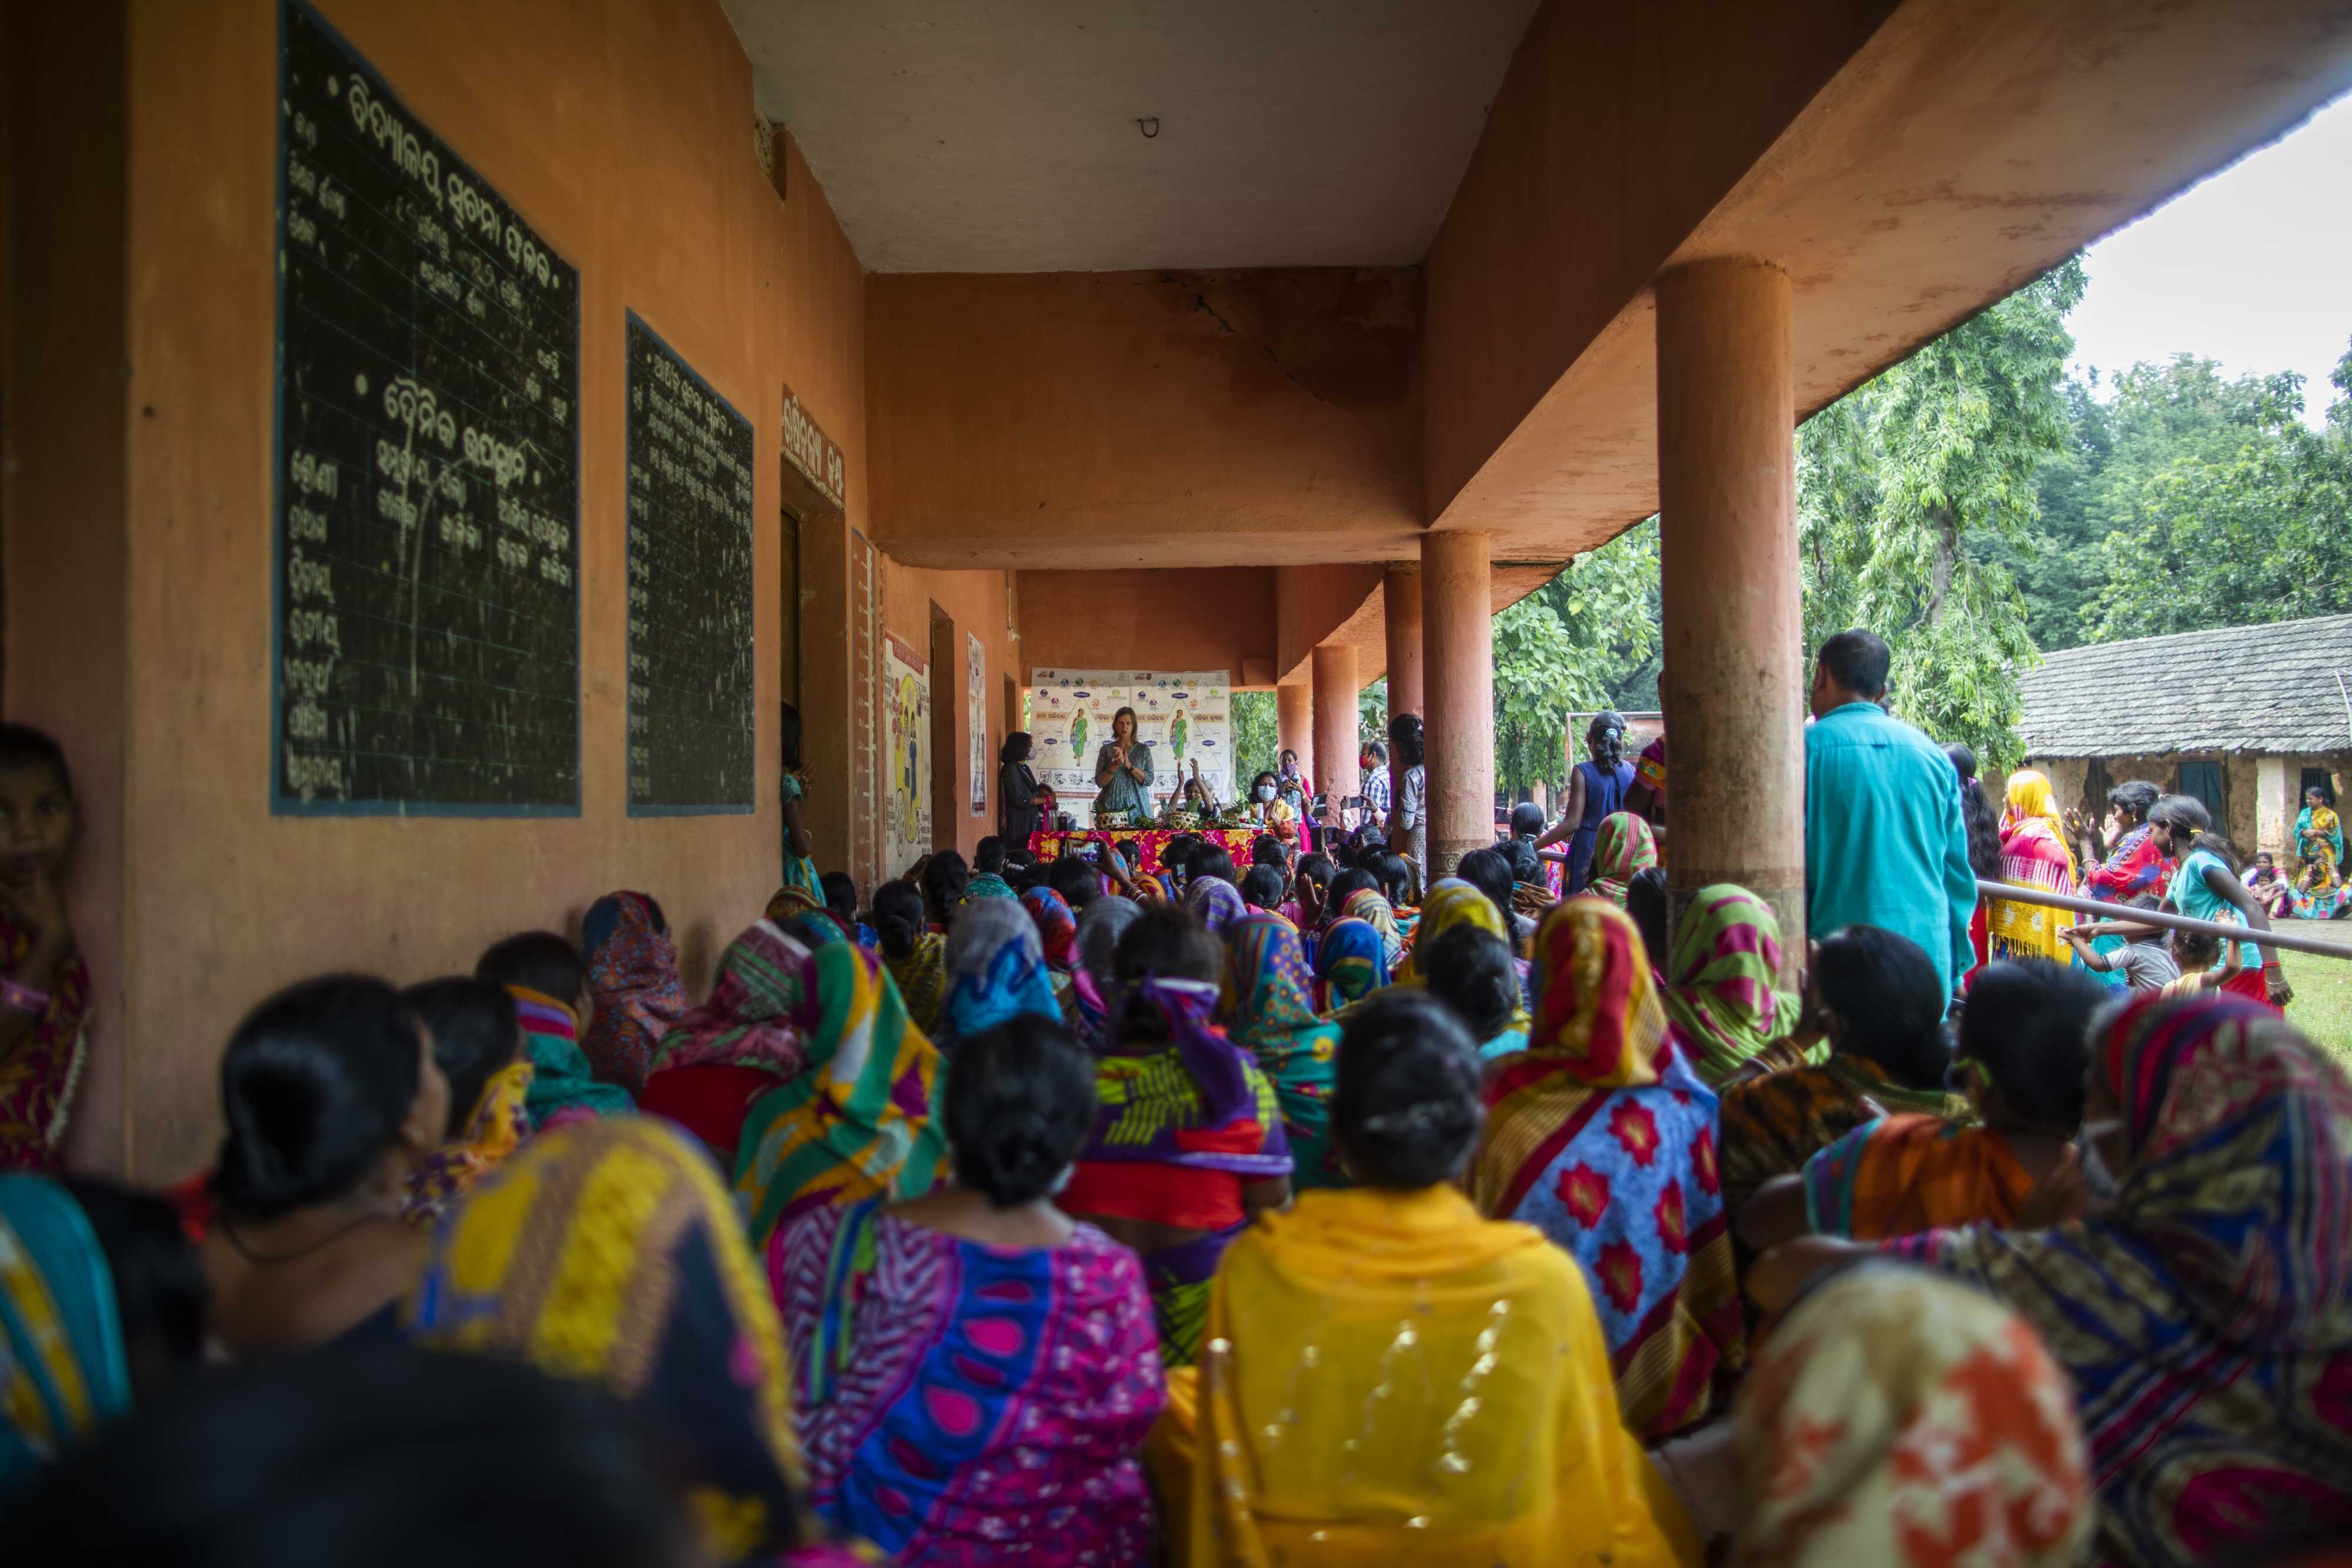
1617,128
625,133
1211,618
1209,418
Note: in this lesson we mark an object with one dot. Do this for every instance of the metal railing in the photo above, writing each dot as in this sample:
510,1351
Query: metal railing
2163,918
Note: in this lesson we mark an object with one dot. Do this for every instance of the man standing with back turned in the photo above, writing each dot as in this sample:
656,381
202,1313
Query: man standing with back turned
1884,845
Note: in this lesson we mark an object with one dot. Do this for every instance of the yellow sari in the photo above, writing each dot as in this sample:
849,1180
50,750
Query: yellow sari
1389,1377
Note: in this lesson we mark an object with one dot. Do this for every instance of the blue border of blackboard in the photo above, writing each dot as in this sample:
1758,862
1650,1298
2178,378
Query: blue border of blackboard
280,803
629,461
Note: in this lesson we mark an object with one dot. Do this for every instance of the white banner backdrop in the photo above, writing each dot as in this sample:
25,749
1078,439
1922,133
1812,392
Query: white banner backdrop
1186,716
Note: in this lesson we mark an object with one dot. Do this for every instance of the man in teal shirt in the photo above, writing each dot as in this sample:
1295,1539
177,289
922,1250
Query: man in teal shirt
1884,845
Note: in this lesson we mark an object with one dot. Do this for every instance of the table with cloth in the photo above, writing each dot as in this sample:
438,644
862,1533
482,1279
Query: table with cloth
1235,841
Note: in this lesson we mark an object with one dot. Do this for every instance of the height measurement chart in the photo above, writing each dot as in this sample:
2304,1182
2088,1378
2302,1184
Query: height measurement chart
690,720
426,613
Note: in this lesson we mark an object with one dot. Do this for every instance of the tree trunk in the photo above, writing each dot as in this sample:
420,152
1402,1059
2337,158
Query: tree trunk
1939,571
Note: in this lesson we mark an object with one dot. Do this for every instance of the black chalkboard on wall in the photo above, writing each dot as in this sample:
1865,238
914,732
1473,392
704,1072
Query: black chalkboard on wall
690,718
426,614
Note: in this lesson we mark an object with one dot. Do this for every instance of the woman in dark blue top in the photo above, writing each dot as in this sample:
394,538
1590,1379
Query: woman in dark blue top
1596,790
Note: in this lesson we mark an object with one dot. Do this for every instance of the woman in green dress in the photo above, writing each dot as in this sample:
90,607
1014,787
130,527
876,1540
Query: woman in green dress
800,870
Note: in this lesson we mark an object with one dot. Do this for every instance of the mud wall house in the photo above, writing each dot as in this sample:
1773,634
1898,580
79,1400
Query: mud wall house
2244,718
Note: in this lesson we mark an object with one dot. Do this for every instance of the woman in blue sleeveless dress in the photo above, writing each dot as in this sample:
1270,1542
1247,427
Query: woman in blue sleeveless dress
1596,790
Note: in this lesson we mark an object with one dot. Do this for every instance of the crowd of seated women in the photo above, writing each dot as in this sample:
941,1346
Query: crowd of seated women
1065,1213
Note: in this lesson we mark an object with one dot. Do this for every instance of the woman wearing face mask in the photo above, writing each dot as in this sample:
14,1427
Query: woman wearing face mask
2189,1265
1267,806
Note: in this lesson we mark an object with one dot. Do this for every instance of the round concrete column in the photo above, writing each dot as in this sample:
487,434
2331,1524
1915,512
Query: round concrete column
1293,728
1458,633
1400,606
1734,684
1335,722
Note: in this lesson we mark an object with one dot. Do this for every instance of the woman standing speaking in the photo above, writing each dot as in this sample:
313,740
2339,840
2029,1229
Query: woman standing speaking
1123,769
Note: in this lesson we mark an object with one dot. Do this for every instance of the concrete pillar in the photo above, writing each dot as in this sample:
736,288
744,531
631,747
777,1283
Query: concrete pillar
1336,687
2275,805
1294,726
1735,681
1458,631
1400,606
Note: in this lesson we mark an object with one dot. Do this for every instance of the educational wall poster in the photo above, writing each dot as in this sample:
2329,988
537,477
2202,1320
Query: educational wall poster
1186,716
976,717
905,698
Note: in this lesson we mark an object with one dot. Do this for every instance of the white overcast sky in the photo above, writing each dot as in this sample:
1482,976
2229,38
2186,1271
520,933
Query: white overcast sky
2253,269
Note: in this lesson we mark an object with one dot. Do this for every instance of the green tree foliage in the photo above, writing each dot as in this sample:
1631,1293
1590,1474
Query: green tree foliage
1255,745
2229,512
1584,640
1907,485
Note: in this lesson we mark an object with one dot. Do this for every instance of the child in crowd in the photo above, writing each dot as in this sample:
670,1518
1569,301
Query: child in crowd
840,900
2203,963
44,984
2146,961
545,976
1262,888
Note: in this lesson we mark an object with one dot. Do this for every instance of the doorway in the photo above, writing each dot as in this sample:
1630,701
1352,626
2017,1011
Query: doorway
2203,778
946,739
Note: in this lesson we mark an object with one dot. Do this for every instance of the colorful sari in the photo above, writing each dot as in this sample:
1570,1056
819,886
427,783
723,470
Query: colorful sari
564,1089
964,1404
1895,1420
1602,1138
633,974
1192,1103
1057,928
726,1053
1376,911
1217,902
1269,1007
1451,902
858,1122
2319,845
1904,1173
43,1069
1351,961
2205,1317
2034,853
609,1253
987,885
995,970
1719,990
921,977
1623,846
64,1368
1773,1124
754,1015
496,1128
1390,1378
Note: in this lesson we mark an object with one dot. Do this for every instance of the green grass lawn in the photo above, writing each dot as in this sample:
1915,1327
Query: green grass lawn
2322,1008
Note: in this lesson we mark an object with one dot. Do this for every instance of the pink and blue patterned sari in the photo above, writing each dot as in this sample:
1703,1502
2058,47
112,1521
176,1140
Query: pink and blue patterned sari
962,1403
